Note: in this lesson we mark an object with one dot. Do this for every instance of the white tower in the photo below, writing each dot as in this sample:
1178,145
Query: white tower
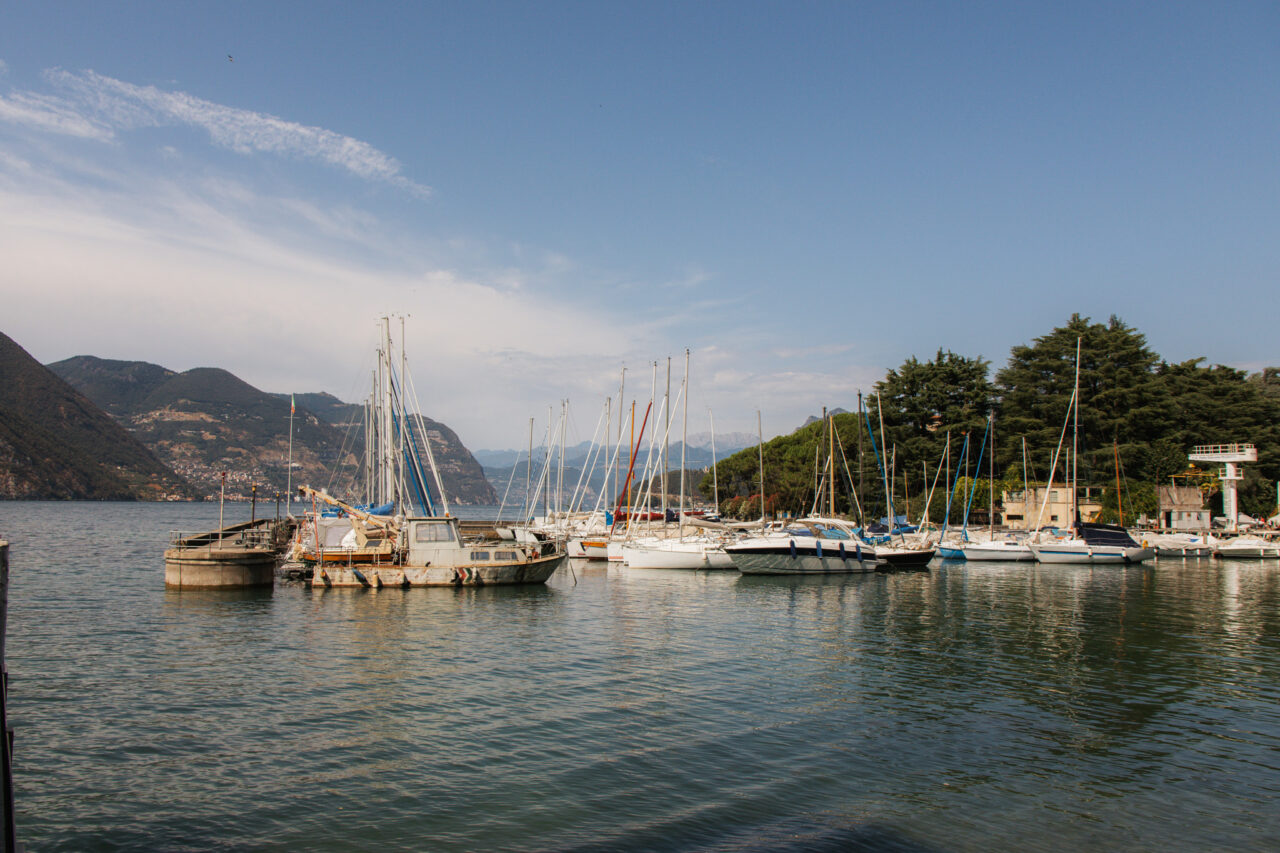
1230,455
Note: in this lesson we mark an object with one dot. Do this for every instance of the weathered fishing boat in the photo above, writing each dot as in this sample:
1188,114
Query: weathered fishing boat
432,552
422,544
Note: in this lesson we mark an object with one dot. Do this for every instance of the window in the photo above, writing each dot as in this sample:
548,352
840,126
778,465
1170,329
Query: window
433,531
506,555
477,556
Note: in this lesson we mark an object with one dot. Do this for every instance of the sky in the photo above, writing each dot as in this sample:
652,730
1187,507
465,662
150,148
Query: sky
802,194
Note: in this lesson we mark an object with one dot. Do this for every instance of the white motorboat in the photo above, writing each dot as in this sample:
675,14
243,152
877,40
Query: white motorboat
1248,548
1180,544
805,547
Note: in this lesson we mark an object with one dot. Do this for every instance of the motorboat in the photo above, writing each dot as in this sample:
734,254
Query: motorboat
806,546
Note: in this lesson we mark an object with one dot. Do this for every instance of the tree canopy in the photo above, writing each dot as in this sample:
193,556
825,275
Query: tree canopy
1134,408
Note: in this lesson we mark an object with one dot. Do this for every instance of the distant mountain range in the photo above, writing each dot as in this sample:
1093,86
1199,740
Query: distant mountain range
92,428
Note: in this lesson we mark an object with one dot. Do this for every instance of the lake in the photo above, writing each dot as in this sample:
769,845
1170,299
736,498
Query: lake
972,707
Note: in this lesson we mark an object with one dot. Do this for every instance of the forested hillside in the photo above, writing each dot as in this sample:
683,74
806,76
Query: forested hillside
1135,409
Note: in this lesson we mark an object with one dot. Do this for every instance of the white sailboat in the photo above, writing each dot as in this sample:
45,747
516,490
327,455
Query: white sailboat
1002,550
703,551
1091,543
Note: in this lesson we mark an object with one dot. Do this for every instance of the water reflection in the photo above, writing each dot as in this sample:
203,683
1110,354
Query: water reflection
976,706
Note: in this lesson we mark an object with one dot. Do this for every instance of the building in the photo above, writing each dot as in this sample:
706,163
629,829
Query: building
1181,508
1023,508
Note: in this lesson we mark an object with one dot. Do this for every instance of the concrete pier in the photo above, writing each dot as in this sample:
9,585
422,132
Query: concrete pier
239,556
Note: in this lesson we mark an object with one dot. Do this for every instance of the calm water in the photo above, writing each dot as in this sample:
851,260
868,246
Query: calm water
975,707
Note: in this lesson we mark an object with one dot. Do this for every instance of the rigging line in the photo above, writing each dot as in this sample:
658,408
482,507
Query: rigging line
977,469
431,458
593,456
848,476
502,506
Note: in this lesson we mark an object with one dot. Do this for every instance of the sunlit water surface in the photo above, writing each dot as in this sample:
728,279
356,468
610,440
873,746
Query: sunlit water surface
973,707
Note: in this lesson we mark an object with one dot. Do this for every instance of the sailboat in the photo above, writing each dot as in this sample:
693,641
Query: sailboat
702,551
1091,543
422,545
907,553
993,548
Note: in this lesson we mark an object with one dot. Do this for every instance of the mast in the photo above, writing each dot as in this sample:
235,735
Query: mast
991,483
684,440
617,475
564,422
888,494
831,461
404,425
528,477
288,489
715,480
666,445
608,436
1119,500
862,485
1075,433
760,432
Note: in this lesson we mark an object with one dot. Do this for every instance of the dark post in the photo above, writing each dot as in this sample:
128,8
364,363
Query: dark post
6,733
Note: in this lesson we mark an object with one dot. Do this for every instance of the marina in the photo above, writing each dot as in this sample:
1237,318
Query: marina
973,707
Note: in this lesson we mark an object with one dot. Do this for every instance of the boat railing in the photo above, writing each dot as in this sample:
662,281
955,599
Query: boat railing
256,538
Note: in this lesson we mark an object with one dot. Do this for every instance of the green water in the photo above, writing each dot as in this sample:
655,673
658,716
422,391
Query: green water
974,707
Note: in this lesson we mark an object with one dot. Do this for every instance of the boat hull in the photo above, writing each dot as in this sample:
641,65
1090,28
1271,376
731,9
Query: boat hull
1085,554
904,558
489,574
786,559
1260,553
1017,553
676,556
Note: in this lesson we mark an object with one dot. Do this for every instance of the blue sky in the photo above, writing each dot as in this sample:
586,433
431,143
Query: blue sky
804,194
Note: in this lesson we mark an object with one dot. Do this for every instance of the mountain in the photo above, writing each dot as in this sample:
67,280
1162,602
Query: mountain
56,444
205,421
813,419
463,477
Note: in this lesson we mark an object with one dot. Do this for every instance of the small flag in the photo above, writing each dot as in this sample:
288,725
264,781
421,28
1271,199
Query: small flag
292,409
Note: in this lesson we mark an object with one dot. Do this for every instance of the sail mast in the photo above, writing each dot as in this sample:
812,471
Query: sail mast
684,440
760,432
715,479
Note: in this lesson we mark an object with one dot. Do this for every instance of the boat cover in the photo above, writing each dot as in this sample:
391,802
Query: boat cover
1106,534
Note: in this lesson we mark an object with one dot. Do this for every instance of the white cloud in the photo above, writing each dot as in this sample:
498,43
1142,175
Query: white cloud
90,105
50,115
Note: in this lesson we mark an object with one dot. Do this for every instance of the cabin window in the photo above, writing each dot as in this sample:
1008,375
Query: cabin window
1012,517
479,555
433,532
505,555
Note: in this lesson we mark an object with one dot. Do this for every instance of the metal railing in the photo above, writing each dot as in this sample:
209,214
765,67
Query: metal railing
217,539
1215,449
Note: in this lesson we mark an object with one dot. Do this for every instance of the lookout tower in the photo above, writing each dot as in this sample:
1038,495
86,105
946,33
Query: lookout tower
1230,455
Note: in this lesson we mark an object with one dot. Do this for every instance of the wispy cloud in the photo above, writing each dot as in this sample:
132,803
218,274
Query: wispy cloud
52,115
90,105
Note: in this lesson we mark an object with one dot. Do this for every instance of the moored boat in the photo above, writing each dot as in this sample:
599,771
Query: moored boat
1248,547
806,546
1093,543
